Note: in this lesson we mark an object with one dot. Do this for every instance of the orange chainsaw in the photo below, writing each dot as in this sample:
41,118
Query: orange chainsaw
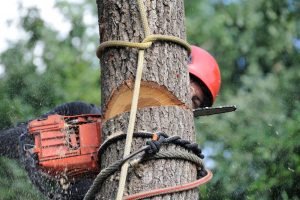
66,144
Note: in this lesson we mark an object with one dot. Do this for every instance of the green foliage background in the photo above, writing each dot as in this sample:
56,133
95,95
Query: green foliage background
254,152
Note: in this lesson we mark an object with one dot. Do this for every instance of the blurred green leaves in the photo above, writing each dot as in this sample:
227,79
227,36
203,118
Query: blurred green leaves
15,183
45,69
254,152
42,70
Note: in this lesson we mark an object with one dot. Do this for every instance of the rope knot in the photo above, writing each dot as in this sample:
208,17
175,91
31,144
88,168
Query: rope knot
155,143
145,44
160,137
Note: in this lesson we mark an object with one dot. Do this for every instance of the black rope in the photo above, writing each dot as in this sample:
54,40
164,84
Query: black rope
115,138
151,150
155,144
187,145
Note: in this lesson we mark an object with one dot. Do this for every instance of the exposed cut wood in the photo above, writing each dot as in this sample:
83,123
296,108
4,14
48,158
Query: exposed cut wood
151,94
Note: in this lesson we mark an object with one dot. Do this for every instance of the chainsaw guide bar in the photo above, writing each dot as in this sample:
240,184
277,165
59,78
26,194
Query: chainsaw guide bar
213,110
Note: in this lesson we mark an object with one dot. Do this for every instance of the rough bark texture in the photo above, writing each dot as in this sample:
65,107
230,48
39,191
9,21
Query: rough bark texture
152,174
165,64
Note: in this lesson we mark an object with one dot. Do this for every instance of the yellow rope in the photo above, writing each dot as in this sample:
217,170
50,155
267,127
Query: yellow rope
146,43
144,19
132,118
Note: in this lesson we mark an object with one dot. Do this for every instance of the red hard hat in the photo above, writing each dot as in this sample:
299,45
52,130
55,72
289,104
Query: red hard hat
204,67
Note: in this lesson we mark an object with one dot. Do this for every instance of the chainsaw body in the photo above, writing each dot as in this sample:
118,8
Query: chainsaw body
67,144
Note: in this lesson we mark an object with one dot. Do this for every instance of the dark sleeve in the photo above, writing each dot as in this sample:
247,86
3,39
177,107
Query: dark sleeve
75,108
9,141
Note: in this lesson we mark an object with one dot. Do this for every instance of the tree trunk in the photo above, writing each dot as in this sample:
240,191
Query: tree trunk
165,72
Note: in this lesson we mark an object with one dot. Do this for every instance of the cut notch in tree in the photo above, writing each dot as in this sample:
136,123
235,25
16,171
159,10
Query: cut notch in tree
151,94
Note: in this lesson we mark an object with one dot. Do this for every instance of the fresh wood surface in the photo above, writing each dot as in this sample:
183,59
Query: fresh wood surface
151,94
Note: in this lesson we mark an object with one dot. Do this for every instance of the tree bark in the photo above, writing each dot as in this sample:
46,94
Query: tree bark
165,66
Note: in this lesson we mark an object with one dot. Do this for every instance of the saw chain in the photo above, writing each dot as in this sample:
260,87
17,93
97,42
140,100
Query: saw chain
213,110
